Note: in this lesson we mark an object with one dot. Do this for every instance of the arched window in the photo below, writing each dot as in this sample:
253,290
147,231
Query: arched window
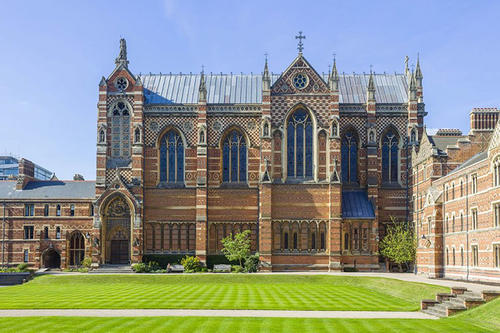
120,130
76,249
137,135
496,172
390,152
171,158
102,136
46,210
72,210
349,158
234,158
58,210
413,138
300,145
295,241
58,232
46,232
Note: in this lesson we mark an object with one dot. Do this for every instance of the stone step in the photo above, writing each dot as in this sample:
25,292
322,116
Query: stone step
435,312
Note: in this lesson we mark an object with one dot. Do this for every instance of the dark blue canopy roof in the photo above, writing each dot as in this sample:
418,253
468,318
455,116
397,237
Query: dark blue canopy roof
355,205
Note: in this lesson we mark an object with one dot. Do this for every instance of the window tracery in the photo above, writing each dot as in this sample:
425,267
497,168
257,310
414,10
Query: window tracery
349,152
390,158
300,145
120,130
234,158
171,158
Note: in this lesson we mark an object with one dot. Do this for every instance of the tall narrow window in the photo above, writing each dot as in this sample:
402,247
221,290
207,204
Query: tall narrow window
349,153
58,210
58,232
46,232
461,221
496,216
447,257
29,210
29,231
474,218
295,241
120,130
46,210
473,183
234,158
76,249
390,152
72,210
171,158
461,256
453,258
475,255
26,255
496,172
299,145
496,254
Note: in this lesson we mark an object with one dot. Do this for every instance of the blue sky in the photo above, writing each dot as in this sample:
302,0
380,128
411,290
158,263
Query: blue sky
53,54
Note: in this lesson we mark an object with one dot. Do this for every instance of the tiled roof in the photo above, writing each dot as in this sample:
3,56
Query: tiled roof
355,204
247,88
441,142
48,190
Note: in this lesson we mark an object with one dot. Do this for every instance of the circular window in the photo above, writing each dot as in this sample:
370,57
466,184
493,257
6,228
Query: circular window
300,81
121,83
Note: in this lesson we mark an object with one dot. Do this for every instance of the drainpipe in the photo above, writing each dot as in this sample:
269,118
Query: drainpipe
467,223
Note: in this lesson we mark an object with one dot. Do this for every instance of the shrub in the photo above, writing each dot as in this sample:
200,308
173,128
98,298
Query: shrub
163,259
22,267
237,269
191,264
237,247
350,269
87,262
153,266
252,263
140,268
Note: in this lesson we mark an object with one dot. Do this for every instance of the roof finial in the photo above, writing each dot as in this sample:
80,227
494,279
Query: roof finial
266,79
371,87
203,86
122,56
334,76
418,71
300,45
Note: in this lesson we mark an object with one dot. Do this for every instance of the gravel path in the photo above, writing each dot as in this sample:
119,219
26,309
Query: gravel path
211,313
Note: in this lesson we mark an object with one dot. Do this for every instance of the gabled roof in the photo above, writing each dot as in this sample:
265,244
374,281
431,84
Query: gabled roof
355,205
48,190
247,88
473,160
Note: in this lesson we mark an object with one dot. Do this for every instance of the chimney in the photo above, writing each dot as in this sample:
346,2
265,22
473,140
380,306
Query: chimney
483,119
26,173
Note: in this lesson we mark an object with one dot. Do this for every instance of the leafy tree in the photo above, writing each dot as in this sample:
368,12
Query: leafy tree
399,244
237,248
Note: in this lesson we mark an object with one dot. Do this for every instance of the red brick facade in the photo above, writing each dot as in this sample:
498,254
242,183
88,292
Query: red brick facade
455,196
290,195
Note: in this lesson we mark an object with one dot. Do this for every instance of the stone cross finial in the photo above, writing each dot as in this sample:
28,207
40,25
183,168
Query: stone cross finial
300,45
122,56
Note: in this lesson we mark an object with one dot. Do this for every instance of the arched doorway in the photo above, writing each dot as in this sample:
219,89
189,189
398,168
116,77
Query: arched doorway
117,232
51,259
76,249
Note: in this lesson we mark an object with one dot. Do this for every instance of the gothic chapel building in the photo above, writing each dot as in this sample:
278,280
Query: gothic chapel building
313,165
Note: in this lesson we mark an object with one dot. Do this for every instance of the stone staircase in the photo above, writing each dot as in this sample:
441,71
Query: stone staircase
460,299
112,269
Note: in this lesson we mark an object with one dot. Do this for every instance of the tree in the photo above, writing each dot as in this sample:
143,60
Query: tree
237,248
399,244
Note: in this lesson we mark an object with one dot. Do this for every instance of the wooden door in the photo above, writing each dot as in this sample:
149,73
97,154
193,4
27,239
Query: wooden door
119,252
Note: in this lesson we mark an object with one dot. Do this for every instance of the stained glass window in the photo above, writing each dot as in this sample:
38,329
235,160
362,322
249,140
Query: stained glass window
390,157
171,158
120,130
349,153
299,145
234,158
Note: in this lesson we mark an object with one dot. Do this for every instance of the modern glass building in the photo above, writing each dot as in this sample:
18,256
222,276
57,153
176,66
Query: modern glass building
9,167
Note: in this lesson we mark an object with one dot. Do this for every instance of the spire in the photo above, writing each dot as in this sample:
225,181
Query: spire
203,88
266,79
121,60
418,71
138,81
103,82
371,88
413,87
333,79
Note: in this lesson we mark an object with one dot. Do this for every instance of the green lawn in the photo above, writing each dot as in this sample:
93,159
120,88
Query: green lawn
485,318
279,292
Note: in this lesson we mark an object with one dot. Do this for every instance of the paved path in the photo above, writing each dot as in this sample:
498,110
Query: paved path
212,313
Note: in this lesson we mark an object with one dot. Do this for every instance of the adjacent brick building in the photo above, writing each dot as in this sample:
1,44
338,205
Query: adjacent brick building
315,165
455,201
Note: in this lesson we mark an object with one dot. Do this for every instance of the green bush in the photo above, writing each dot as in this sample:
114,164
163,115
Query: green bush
22,267
350,269
237,269
140,268
191,264
252,263
87,262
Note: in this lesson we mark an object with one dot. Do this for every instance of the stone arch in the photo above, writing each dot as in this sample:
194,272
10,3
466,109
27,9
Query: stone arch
117,213
51,258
